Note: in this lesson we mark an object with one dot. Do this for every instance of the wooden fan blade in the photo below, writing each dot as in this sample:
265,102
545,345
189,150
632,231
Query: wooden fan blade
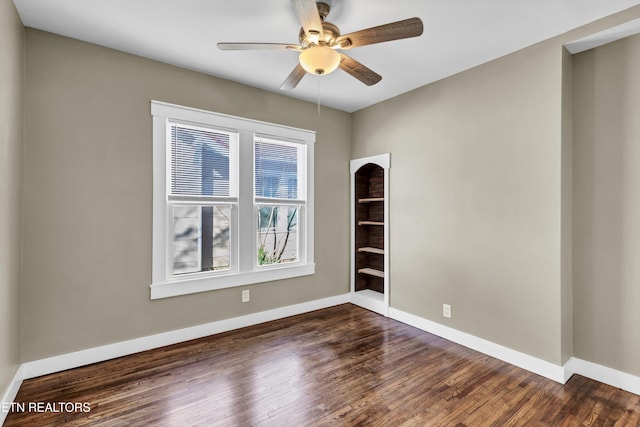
307,13
258,46
294,78
359,71
407,28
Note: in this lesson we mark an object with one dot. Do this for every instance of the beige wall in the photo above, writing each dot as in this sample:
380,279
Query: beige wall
481,178
87,193
606,231
11,78
482,170
475,175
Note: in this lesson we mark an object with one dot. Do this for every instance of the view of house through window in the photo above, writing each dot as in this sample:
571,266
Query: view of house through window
202,171
200,238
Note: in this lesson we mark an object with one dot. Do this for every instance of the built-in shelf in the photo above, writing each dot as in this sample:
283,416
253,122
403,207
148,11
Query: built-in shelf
370,223
371,250
371,272
369,238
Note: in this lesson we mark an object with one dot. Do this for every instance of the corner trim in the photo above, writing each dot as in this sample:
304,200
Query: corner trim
76,359
370,300
522,360
604,374
11,392
601,38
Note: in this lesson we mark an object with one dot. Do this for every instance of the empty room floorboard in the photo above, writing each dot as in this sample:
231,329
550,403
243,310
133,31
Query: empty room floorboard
340,366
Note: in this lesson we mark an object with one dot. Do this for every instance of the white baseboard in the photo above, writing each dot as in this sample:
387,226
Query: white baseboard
522,360
62,362
10,394
371,300
561,374
556,373
613,377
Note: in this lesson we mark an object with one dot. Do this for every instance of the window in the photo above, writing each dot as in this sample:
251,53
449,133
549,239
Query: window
278,167
202,197
232,201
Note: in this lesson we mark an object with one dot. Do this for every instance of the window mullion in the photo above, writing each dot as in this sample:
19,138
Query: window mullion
246,214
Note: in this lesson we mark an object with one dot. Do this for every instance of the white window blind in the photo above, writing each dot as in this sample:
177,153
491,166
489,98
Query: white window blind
279,169
203,169
202,162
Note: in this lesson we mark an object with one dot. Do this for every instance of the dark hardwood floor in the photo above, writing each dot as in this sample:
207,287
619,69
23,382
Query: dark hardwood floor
341,366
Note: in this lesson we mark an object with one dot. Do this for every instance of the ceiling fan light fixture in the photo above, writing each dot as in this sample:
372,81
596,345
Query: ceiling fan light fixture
319,41
319,60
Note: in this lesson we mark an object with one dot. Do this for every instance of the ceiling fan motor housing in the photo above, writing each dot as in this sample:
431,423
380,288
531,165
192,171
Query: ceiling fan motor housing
330,33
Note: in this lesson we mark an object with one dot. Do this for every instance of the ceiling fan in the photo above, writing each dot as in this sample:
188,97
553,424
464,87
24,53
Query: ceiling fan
320,41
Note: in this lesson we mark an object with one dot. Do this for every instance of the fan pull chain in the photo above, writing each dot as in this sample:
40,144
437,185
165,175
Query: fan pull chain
318,98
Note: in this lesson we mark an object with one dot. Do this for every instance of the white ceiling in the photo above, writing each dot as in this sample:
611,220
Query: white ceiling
458,35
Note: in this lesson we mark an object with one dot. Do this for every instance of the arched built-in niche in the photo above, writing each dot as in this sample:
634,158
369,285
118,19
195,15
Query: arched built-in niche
370,233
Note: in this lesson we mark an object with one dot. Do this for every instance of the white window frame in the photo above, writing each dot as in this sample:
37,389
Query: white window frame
244,269
301,203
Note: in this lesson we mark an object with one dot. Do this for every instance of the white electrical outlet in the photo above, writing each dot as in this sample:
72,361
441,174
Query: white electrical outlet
245,295
446,310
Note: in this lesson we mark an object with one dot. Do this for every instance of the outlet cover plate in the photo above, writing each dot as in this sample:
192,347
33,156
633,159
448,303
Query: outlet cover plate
446,311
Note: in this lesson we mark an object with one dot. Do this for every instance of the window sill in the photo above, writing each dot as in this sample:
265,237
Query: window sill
203,284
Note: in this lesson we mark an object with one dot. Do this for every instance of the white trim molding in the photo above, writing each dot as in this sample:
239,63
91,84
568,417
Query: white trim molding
10,394
202,284
371,300
99,354
517,358
604,374
242,134
609,35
